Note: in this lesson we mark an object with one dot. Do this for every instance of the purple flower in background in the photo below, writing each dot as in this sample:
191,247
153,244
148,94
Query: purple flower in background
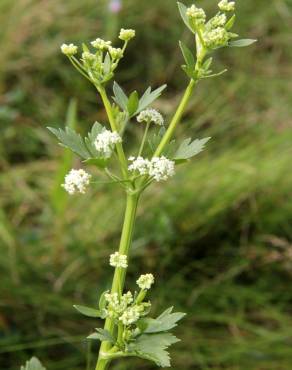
115,6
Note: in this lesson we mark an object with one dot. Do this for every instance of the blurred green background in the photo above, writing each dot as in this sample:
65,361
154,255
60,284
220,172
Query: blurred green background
218,236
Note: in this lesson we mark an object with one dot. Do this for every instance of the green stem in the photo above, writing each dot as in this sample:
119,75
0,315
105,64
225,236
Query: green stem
112,121
144,139
120,273
176,119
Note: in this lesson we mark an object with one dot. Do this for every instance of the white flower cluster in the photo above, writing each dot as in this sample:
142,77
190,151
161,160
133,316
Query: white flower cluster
145,281
216,38
76,181
160,168
124,308
69,50
197,14
88,57
140,165
115,53
101,44
226,6
116,306
130,316
151,115
127,35
105,141
218,21
118,260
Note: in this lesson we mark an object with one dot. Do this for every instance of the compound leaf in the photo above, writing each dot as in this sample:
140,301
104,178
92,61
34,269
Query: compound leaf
189,149
166,321
153,347
149,96
70,139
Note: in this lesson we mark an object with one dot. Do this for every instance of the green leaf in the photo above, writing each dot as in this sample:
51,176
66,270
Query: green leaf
87,311
230,23
149,97
102,335
188,55
133,103
242,43
33,364
70,139
166,321
189,149
107,64
120,97
96,129
207,64
183,10
153,347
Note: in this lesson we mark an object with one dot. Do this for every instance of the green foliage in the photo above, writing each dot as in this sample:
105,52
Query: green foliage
183,9
85,148
153,347
70,139
33,364
241,43
134,105
87,311
166,321
102,335
189,149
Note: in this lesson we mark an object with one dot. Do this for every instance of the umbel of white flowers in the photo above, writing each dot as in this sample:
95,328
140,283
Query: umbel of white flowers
118,260
76,181
160,168
105,142
151,116
126,308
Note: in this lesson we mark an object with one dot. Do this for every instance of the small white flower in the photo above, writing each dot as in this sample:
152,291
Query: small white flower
226,6
105,141
69,50
101,44
115,53
139,165
218,21
145,281
76,181
127,35
130,316
197,14
88,57
118,260
161,168
112,299
151,115
216,38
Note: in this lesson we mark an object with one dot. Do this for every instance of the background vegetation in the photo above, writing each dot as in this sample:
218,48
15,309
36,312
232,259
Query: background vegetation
218,236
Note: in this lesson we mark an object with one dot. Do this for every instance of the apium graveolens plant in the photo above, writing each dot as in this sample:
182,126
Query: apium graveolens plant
129,330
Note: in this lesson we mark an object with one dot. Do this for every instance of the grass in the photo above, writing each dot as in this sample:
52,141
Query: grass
218,236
